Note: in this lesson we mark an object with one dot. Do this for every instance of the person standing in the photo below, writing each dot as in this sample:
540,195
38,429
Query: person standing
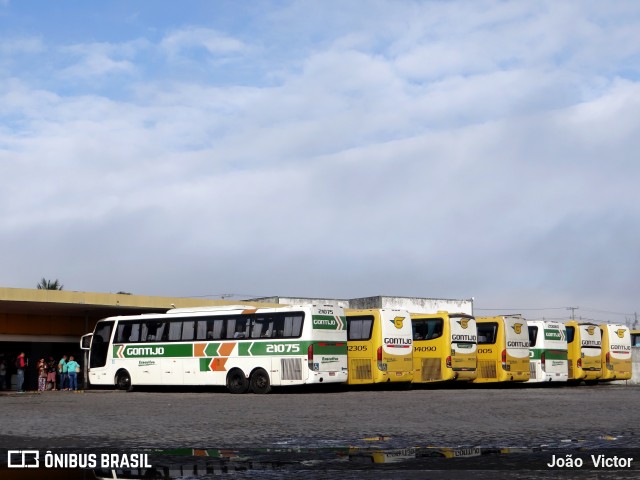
73,368
51,372
21,364
62,370
42,375
3,374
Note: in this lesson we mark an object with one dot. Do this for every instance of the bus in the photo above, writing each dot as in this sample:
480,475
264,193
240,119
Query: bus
241,347
380,346
584,342
444,347
503,349
635,338
616,352
547,351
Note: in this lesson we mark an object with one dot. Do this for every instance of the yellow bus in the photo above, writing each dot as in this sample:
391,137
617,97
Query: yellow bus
616,352
584,341
503,349
380,346
444,347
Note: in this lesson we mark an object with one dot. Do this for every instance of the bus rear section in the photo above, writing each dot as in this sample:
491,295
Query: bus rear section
584,342
616,352
380,346
444,347
503,349
547,351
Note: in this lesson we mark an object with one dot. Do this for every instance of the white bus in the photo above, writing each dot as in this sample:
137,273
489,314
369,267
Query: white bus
548,351
242,347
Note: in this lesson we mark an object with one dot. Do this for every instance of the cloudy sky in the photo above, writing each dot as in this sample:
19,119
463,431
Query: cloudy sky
484,149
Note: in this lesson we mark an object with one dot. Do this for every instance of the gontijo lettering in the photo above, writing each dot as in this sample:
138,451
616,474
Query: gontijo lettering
138,351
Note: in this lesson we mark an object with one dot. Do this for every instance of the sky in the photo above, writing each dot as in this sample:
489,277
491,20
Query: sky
482,149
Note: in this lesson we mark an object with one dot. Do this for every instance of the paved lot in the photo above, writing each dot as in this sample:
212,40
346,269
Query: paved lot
206,419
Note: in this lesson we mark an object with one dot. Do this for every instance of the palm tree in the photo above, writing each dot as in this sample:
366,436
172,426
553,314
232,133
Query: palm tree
49,285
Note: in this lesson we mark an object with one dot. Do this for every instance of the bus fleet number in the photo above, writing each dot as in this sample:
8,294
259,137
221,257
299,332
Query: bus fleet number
282,348
357,348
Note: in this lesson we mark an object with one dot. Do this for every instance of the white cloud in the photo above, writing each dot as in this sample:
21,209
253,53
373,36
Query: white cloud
215,43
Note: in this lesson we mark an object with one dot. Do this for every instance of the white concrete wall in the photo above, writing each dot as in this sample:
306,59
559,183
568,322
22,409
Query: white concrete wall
410,304
415,304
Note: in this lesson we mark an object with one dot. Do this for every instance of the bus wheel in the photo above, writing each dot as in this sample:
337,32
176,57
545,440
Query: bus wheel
260,381
237,382
123,381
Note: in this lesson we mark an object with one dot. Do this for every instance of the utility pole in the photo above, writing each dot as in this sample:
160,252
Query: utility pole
573,312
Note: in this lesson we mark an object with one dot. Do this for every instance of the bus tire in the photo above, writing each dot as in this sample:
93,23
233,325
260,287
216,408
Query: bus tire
237,382
259,382
123,381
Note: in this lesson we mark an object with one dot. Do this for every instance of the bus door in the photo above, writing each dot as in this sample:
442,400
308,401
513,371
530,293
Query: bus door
463,338
361,352
99,351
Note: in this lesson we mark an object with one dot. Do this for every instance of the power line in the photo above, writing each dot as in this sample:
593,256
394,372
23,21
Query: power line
523,309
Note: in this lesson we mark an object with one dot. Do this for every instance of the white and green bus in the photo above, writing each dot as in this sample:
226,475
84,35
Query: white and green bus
245,348
548,351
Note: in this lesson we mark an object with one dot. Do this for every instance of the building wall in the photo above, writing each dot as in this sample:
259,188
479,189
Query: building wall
415,304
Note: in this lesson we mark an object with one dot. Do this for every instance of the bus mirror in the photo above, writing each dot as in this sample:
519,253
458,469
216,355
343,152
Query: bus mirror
85,342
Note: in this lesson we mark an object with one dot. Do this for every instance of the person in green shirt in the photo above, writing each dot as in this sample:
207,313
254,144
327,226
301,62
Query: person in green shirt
72,372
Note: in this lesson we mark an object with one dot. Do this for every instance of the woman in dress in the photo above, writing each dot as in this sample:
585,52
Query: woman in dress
42,375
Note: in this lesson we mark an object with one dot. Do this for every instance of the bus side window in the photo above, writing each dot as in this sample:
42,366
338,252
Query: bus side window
359,328
571,333
262,328
124,332
188,330
487,333
238,327
135,333
175,330
533,335
437,328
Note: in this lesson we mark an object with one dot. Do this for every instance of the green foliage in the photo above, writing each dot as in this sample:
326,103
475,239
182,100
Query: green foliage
49,284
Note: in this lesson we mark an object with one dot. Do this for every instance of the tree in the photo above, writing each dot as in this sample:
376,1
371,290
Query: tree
49,285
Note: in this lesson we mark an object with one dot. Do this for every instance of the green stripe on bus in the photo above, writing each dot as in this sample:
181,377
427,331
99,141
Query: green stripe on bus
536,354
204,364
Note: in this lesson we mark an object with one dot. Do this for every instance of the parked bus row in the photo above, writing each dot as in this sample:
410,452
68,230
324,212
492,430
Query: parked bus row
253,349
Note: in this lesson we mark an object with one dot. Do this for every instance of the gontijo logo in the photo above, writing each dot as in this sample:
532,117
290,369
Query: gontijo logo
620,332
517,327
591,329
397,322
464,322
